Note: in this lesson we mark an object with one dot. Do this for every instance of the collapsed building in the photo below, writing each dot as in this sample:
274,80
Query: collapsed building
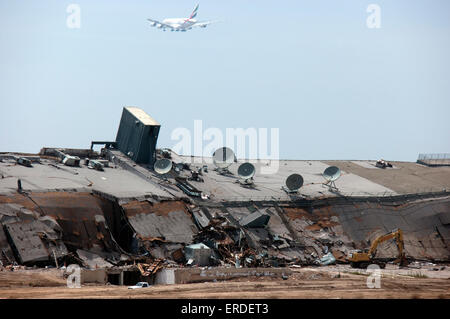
112,210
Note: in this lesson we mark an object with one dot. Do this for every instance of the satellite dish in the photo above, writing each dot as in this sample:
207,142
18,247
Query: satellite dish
162,166
223,157
294,182
331,174
246,171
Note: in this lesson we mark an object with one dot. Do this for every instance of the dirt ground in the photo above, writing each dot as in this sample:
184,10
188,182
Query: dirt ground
324,282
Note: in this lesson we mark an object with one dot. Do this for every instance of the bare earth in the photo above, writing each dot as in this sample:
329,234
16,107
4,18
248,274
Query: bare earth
324,282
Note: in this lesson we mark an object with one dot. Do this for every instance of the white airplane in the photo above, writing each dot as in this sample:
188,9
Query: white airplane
180,24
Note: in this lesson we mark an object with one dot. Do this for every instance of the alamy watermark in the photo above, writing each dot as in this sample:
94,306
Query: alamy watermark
254,144
74,278
374,19
73,20
374,279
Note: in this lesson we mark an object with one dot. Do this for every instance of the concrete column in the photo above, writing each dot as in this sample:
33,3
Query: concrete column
121,278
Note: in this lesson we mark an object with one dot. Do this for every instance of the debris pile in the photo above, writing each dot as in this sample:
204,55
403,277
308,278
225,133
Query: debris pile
150,269
229,244
28,238
179,221
327,259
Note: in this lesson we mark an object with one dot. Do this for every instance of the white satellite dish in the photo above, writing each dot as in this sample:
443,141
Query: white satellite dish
162,166
246,171
223,158
293,183
331,174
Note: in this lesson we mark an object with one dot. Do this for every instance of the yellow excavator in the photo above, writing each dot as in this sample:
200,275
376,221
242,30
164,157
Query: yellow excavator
361,259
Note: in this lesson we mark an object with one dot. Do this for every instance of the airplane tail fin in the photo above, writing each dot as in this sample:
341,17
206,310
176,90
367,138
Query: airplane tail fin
194,12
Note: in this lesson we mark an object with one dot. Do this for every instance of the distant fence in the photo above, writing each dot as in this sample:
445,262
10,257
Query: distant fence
441,159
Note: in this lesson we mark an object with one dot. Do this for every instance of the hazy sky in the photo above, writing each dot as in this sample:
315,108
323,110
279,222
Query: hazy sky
335,88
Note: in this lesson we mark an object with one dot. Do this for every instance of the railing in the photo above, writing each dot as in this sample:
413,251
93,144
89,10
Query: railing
435,156
424,192
434,159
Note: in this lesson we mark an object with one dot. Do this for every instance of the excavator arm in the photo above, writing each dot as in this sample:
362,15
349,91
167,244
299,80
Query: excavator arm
397,234
363,258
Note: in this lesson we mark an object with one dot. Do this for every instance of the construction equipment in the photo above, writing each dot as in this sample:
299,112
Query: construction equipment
361,259
382,164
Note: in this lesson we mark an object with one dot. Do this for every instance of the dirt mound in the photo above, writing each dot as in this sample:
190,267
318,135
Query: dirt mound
32,278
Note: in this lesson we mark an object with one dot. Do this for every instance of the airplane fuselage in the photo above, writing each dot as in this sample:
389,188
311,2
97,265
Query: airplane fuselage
179,22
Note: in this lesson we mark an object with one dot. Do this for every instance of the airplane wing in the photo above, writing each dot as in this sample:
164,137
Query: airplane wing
203,24
156,23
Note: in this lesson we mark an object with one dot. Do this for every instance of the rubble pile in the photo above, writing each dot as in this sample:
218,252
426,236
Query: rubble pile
150,269
229,244
180,222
